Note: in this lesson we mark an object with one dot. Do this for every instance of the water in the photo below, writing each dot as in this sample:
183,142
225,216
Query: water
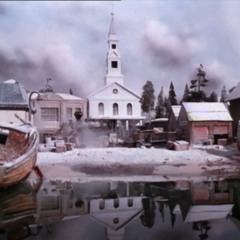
121,210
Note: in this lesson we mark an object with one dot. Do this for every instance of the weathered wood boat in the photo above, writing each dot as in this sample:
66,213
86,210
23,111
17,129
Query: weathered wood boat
18,152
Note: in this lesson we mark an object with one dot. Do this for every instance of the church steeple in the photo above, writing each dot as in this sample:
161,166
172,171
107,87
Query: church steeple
113,57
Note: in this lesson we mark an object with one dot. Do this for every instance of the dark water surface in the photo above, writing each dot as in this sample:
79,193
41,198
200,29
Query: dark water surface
121,210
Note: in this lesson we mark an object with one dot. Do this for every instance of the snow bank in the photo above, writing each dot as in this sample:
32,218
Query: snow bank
126,156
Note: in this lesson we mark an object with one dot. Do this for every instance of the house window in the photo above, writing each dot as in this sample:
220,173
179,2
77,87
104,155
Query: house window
129,109
113,46
100,109
115,109
49,114
69,113
114,64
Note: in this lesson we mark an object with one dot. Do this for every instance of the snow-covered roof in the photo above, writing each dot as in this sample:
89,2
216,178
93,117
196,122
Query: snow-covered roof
68,96
207,111
234,94
63,96
13,93
176,110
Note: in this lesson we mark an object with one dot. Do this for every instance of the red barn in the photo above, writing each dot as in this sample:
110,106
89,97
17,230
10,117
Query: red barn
201,122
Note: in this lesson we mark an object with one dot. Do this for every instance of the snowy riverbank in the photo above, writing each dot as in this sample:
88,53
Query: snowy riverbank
108,156
136,164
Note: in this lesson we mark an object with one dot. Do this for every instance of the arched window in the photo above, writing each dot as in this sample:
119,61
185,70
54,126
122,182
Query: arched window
129,109
115,109
100,109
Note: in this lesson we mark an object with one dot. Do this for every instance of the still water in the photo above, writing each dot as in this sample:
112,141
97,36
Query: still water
121,210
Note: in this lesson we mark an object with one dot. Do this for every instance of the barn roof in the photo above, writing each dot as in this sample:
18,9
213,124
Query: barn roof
176,110
207,111
234,94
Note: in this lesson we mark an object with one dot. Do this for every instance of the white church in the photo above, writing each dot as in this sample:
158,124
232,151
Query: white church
115,103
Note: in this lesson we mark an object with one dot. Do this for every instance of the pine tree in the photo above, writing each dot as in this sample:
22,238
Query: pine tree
213,97
197,94
70,91
167,106
185,94
172,95
148,98
160,109
223,94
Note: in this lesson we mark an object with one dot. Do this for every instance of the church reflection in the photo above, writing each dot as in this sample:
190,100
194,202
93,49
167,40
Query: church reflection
31,209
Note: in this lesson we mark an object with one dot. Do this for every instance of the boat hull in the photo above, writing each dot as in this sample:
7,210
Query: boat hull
12,172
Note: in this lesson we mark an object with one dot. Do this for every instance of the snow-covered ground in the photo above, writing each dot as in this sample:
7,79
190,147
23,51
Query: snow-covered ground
131,156
137,163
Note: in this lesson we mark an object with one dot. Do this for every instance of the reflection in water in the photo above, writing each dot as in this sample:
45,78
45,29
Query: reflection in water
121,210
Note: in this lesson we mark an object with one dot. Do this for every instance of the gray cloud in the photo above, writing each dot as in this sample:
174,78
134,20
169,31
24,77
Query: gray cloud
168,49
67,41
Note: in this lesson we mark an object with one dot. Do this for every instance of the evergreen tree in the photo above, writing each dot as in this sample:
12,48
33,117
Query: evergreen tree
223,94
185,94
167,106
172,95
160,109
198,94
213,97
148,98
70,91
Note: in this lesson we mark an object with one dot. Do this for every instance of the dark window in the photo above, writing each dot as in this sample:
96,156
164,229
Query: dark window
129,109
113,46
100,109
114,64
115,109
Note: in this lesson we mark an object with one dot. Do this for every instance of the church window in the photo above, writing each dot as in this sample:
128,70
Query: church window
115,91
113,46
114,64
115,109
100,109
129,109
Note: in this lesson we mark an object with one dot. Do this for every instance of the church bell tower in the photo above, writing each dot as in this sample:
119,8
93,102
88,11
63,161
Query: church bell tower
114,73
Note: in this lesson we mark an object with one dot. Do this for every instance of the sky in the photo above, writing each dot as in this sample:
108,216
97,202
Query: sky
159,40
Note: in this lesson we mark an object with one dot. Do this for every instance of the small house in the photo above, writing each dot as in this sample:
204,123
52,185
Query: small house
14,106
53,110
203,122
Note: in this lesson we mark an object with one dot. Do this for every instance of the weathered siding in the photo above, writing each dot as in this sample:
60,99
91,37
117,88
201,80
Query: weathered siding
234,110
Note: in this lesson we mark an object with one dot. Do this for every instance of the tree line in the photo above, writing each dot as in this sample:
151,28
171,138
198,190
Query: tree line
195,92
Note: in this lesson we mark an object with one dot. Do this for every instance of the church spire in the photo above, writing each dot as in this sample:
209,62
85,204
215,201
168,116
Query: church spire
112,26
113,57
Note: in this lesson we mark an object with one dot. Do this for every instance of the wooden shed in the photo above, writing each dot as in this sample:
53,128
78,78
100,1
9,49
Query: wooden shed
234,102
202,122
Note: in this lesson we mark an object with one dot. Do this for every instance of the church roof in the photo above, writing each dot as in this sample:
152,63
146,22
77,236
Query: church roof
106,86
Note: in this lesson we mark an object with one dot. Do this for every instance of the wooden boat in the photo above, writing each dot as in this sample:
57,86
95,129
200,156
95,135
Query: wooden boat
18,152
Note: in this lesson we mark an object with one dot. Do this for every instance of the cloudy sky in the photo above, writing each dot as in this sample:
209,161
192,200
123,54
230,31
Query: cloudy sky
160,41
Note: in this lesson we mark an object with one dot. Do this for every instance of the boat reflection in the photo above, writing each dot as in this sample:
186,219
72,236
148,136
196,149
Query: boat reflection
120,210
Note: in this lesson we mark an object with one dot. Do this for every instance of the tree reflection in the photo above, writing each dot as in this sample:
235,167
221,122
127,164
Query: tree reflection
148,216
